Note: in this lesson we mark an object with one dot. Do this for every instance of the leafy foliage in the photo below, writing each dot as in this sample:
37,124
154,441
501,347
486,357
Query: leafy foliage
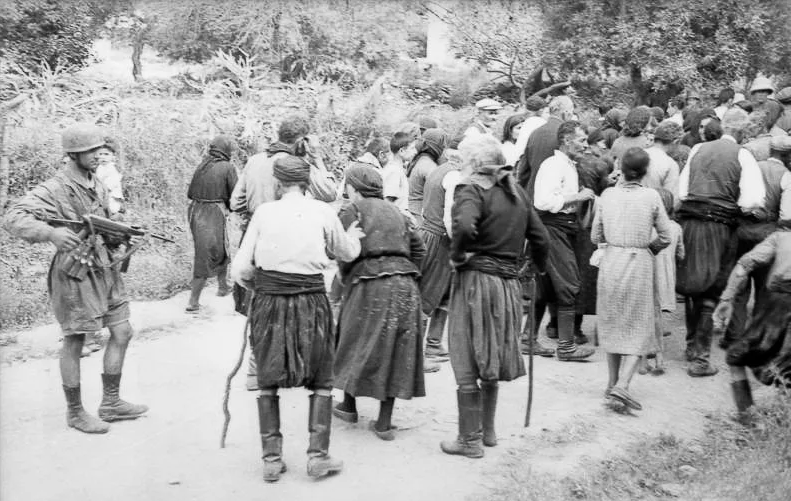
341,41
57,33
650,42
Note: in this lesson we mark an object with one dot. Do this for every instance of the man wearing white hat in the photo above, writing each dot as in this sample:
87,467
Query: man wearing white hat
760,91
487,115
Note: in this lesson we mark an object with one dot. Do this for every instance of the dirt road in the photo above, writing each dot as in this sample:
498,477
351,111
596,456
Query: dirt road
178,364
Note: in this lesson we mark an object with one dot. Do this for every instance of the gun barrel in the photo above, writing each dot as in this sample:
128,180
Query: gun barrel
162,237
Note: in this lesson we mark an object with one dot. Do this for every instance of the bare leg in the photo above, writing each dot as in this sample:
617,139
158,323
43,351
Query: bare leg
115,352
70,360
614,367
629,368
197,287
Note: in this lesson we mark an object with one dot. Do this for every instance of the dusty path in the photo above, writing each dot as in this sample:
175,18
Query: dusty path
178,367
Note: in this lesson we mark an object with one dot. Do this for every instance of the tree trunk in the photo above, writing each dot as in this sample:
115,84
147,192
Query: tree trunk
641,88
137,51
4,163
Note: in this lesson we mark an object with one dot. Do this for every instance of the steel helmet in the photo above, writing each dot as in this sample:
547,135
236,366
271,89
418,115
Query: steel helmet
762,84
82,137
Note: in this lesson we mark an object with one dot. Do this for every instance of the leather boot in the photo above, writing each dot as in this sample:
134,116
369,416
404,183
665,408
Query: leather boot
701,366
320,419
77,418
567,350
489,406
112,407
271,438
742,396
469,442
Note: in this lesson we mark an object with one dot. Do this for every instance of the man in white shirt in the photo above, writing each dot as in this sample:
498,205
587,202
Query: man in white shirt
282,256
487,116
557,197
534,119
720,182
662,169
395,182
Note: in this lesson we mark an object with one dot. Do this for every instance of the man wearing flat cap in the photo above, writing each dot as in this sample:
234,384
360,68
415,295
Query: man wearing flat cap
783,124
487,116
281,258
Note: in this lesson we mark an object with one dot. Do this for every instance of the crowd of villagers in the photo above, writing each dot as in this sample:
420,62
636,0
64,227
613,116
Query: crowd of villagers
482,248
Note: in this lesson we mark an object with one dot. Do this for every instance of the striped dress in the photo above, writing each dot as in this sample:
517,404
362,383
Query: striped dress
627,303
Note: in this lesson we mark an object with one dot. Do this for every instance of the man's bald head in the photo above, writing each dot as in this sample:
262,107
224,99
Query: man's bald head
562,107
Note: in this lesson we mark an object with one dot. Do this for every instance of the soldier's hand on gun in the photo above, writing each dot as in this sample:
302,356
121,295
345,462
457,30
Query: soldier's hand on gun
355,231
64,239
722,315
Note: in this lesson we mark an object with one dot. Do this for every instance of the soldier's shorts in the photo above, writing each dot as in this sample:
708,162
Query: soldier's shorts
86,306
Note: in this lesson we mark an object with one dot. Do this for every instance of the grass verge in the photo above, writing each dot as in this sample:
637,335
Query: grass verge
729,462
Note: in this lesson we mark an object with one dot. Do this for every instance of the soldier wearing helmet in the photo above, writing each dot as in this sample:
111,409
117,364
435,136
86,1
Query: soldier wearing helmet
81,306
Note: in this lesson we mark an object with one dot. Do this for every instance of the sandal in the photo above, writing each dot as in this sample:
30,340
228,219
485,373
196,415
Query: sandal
658,371
192,308
623,396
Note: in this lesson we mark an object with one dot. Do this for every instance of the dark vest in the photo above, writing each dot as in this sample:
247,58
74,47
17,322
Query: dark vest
714,173
772,171
434,199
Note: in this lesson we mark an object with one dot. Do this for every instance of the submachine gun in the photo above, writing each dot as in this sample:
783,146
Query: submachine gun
95,231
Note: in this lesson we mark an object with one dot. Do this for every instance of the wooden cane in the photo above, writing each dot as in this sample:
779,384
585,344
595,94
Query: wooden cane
235,369
530,347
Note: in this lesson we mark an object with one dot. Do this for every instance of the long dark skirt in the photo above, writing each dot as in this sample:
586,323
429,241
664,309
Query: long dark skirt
292,340
485,316
207,223
380,340
766,343
710,257
436,271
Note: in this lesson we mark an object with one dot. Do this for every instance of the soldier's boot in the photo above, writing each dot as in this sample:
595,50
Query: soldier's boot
468,443
271,438
113,408
77,417
743,397
320,463
489,406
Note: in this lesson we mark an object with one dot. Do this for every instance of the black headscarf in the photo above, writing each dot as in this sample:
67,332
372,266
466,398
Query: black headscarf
220,150
365,179
432,144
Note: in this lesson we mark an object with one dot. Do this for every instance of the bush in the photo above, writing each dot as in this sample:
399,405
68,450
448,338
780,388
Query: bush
162,140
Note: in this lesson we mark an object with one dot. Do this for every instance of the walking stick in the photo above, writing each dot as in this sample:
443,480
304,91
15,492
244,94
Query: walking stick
235,369
530,347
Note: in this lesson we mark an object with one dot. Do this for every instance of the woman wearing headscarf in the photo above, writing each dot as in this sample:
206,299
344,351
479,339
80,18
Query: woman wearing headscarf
612,125
510,134
210,194
429,149
492,219
627,307
634,133
380,336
